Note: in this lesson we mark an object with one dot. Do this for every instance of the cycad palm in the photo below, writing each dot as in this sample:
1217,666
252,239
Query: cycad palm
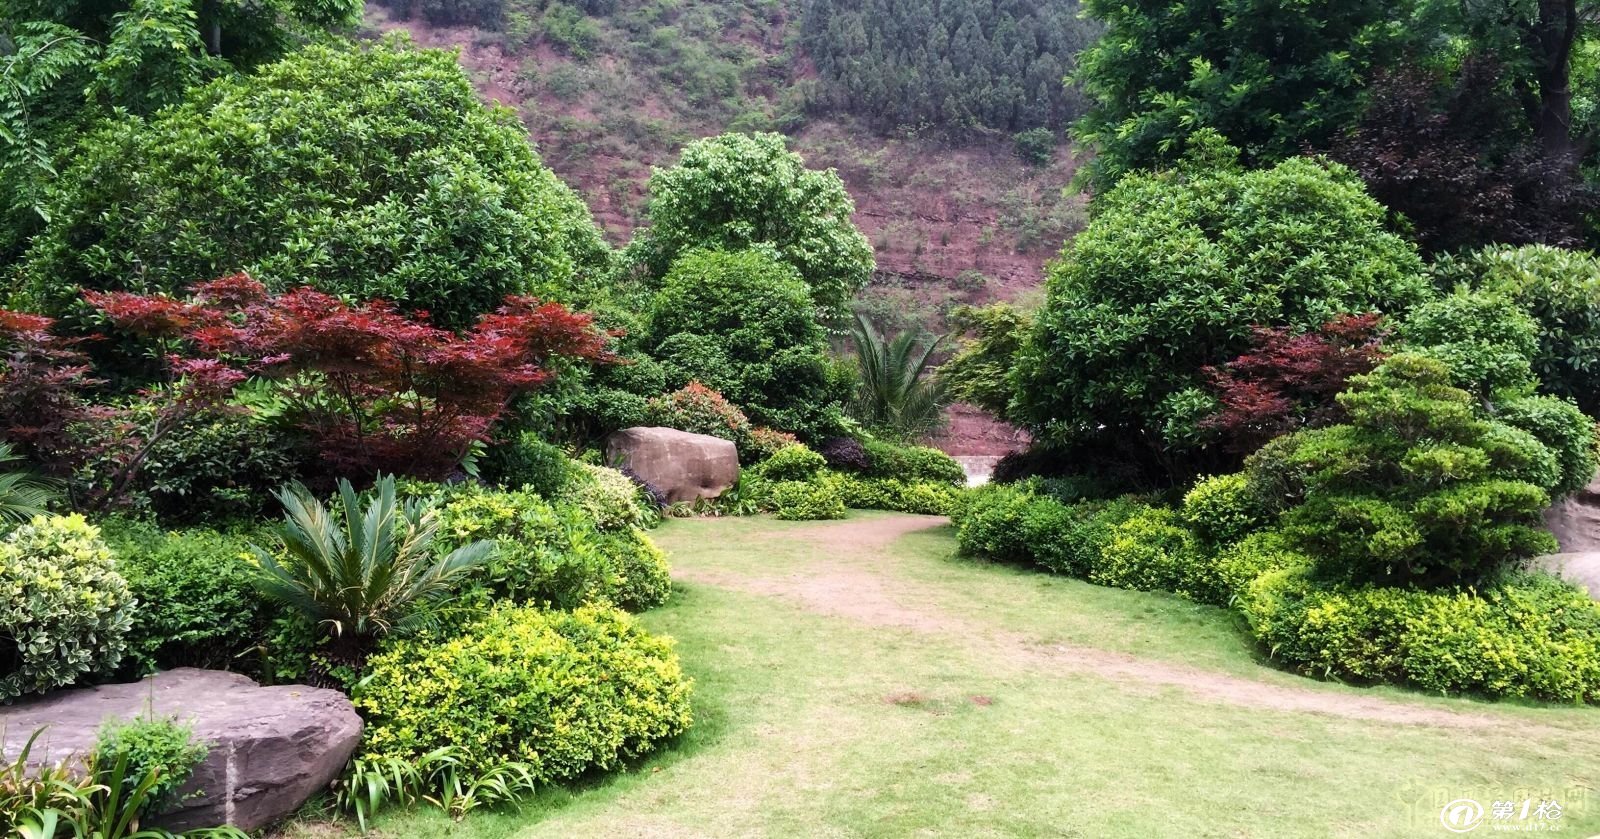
23,494
365,570
895,394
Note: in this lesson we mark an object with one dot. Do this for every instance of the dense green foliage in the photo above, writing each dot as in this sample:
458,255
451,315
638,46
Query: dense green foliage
929,498
565,692
1270,77
1560,289
530,463
552,553
744,191
912,463
198,605
743,324
372,171
805,500
23,494
1171,275
957,65
1417,488
1529,635
979,372
792,463
64,609
1485,340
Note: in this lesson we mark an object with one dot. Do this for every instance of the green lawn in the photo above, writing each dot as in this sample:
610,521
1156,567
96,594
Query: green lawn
859,679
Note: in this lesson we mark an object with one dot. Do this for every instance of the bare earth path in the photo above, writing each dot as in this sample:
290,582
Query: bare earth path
862,679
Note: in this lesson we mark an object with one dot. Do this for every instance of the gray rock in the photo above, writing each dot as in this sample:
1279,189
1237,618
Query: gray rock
1575,520
1580,569
684,466
271,748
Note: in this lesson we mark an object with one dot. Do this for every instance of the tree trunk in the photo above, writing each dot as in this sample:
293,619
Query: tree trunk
1550,39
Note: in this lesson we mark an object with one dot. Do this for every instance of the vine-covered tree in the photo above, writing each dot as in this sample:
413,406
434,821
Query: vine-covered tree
951,64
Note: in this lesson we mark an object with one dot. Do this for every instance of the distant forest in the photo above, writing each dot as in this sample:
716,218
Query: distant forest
954,64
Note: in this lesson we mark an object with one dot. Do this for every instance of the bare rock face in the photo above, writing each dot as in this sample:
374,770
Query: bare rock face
1575,520
271,748
684,466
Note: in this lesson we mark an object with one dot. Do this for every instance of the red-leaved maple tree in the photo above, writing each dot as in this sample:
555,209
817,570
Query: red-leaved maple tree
376,389
1288,381
43,378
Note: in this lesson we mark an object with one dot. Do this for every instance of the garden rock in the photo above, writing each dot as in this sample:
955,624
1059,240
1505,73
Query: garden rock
271,748
1575,520
1580,569
683,466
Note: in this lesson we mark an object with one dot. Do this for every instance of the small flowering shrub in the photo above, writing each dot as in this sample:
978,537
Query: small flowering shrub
699,410
564,692
763,442
64,609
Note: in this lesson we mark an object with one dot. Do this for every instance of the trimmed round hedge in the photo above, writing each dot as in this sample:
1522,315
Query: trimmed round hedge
564,692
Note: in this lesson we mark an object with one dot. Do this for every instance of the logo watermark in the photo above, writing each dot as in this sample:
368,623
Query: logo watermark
1462,812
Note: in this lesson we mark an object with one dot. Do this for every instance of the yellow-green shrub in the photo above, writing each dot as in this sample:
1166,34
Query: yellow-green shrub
64,609
564,692
1153,551
1223,509
805,501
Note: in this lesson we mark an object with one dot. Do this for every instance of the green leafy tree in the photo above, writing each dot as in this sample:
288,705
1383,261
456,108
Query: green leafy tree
370,171
894,391
742,323
1271,77
1418,488
1560,289
1170,277
741,191
980,371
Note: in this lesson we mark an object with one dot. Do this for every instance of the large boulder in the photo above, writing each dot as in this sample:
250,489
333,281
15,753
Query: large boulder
683,466
1575,520
271,748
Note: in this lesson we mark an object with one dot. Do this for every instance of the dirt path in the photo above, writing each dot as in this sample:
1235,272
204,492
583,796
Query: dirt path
852,578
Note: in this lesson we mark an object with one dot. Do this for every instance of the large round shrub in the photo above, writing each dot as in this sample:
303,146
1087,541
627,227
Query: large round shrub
527,462
369,170
1565,430
793,463
564,692
912,463
741,191
1560,289
64,609
1175,269
1223,508
744,324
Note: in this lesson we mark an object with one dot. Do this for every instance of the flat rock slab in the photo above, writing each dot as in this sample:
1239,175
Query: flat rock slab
271,748
683,466
1582,569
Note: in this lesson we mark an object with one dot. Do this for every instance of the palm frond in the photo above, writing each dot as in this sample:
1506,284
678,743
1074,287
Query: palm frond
24,494
895,393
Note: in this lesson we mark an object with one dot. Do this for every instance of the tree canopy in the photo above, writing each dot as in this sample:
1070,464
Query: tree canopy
372,171
740,191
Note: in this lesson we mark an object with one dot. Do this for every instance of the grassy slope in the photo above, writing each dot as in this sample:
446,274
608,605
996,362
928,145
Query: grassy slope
853,689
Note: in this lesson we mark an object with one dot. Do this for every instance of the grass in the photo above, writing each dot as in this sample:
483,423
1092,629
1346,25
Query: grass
852,688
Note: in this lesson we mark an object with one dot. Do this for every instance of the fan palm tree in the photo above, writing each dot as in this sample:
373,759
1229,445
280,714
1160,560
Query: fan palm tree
895,393
23,494
362,570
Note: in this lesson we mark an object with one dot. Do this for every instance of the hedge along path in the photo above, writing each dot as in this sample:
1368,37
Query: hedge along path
846,577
